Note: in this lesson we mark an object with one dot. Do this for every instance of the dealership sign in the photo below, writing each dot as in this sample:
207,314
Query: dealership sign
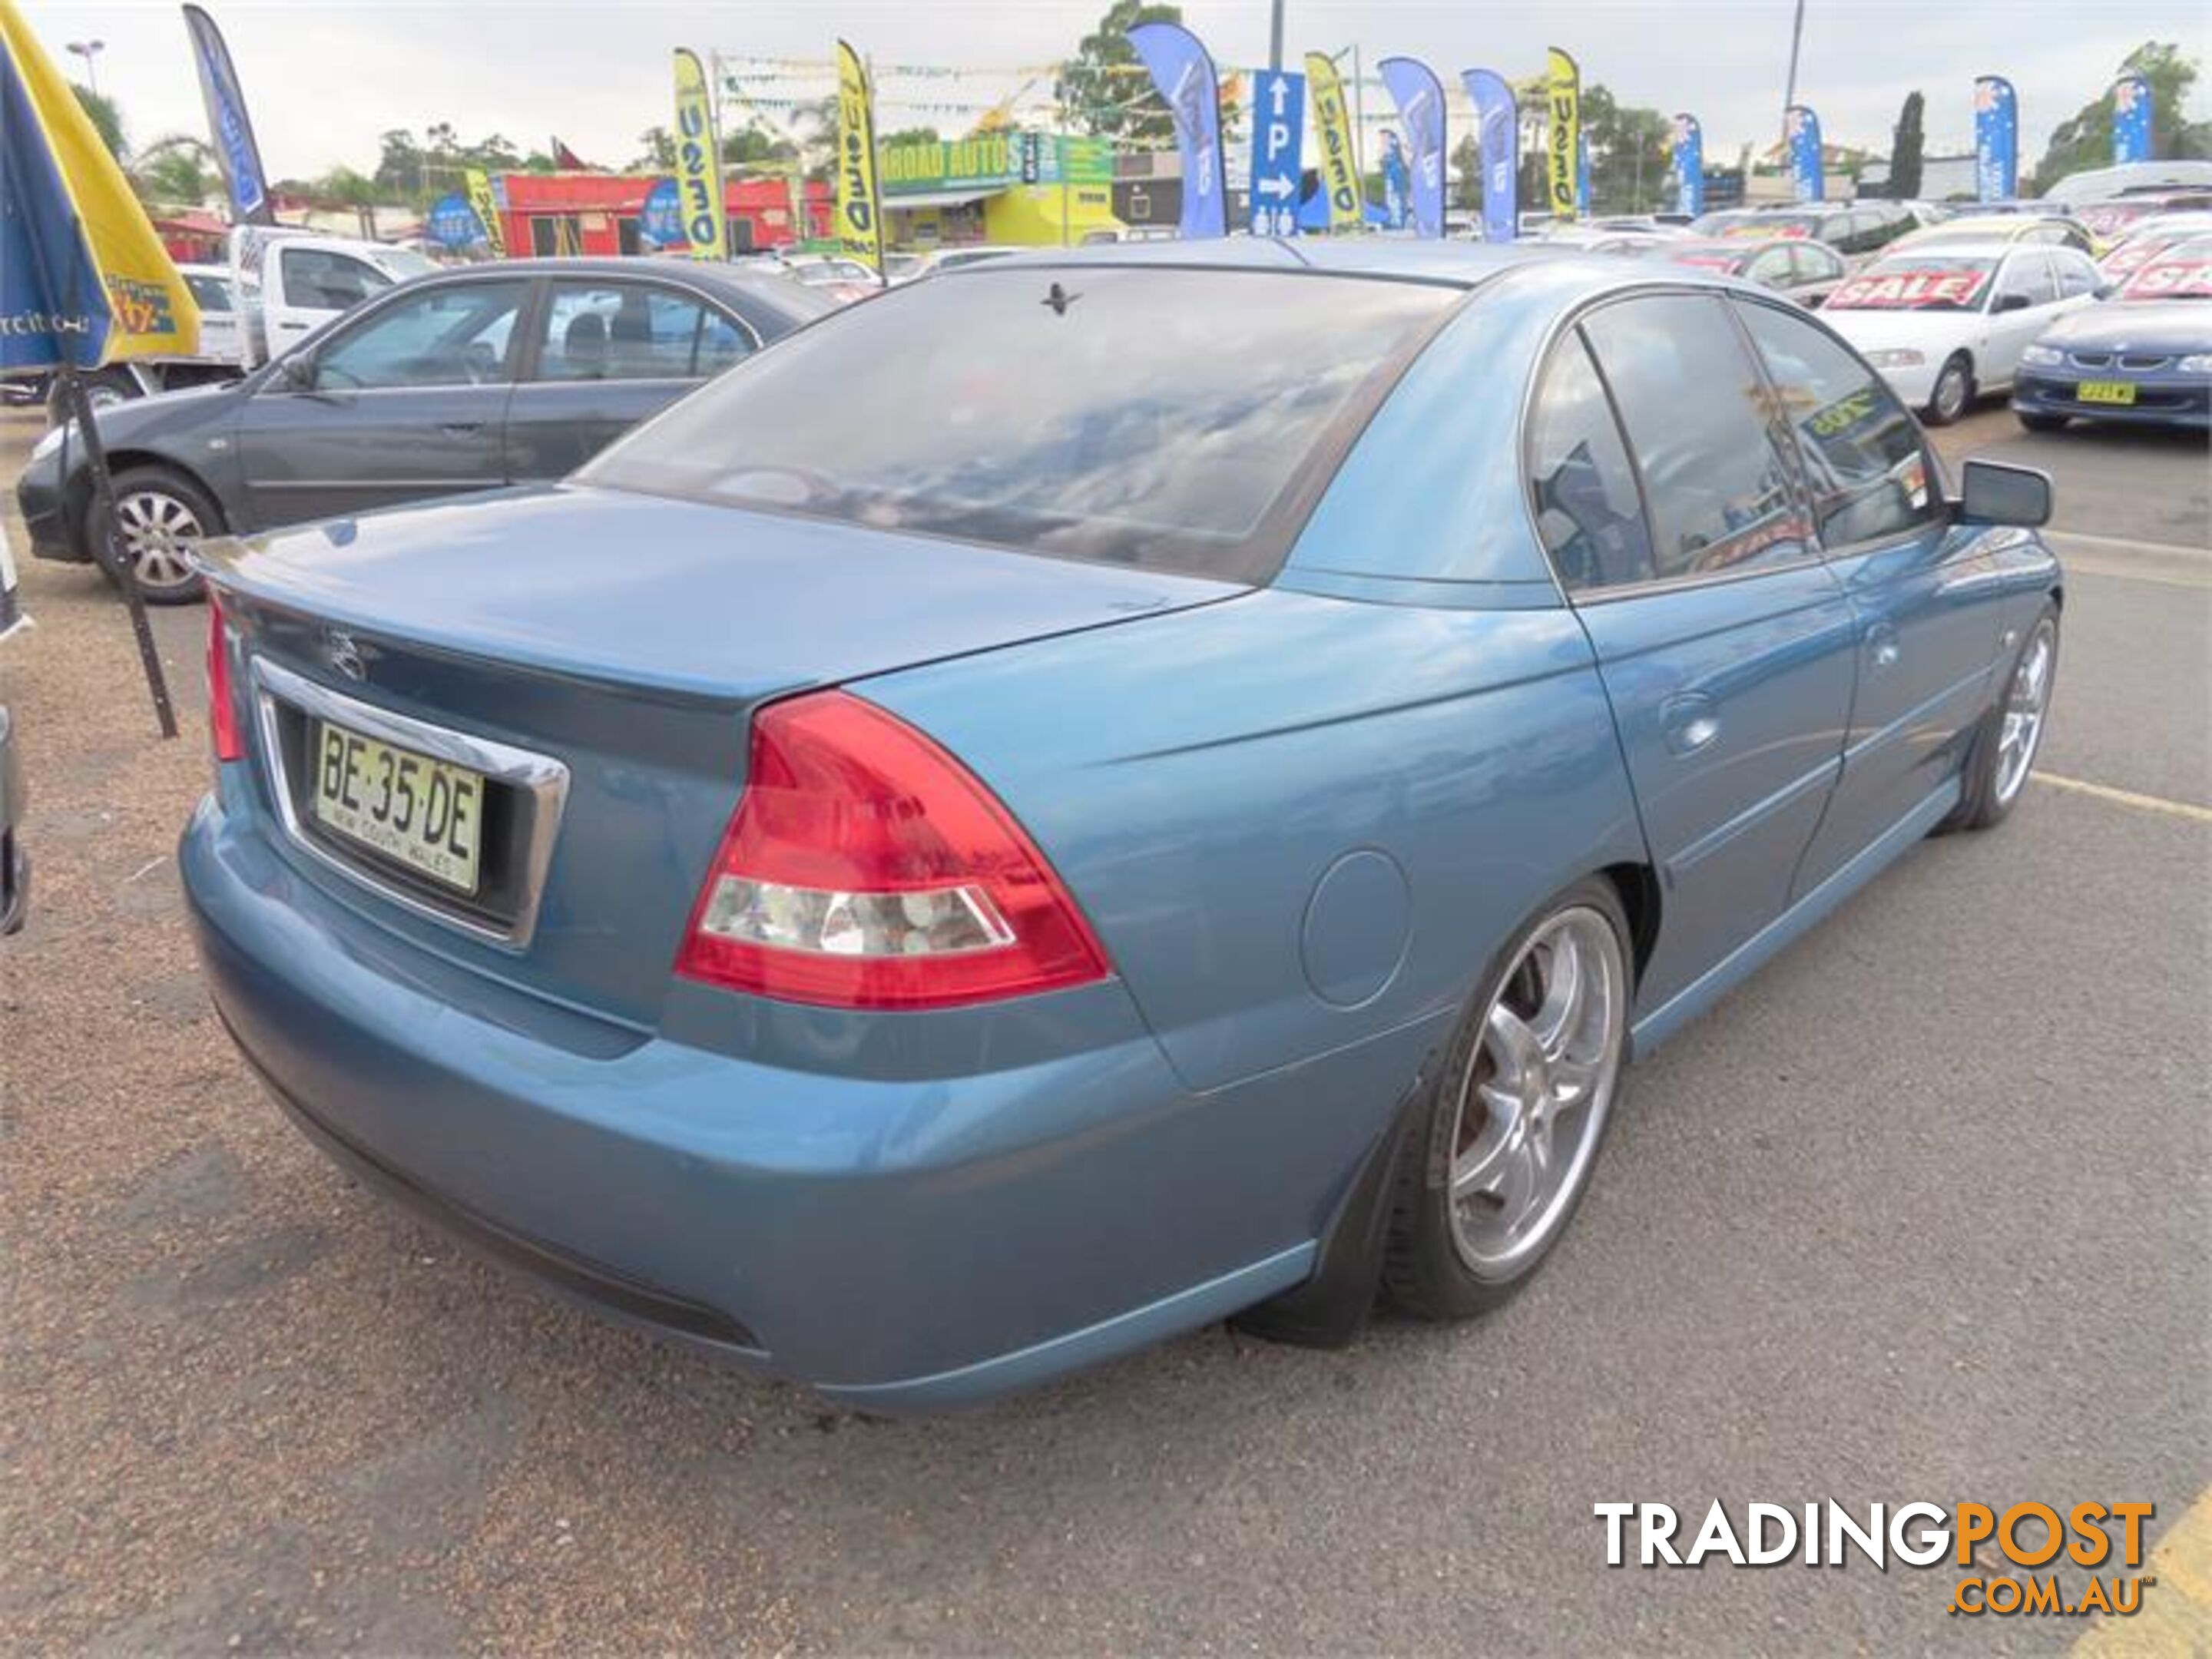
1902,290
994,160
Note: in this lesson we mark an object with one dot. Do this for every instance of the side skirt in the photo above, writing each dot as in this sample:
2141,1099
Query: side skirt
1717,981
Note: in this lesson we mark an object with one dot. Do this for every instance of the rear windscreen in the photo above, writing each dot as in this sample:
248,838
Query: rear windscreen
1180,420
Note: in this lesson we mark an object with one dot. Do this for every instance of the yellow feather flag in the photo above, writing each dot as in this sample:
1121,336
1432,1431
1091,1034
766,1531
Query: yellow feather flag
860,208
1562,152
1340,150
83,278
698,161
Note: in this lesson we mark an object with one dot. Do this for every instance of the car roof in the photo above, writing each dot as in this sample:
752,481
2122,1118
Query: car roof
1971,247
1457,264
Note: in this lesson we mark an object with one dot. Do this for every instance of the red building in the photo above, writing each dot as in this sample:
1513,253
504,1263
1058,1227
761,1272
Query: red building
557,213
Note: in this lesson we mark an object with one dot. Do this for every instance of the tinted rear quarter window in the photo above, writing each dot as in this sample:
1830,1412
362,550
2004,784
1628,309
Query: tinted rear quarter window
1181,420
1587,508
1695,413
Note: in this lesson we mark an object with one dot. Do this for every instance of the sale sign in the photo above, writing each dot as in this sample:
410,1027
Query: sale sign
1907,290
2172,279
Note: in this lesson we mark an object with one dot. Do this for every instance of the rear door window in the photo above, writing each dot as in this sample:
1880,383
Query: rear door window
1182,419
595,331
327,281
1697,418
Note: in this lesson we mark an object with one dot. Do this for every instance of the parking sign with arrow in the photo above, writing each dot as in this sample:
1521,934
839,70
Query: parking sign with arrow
1279,120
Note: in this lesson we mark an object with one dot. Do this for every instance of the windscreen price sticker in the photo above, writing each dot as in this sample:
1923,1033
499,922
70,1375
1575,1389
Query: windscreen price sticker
1905,288
2173,279
2028,1559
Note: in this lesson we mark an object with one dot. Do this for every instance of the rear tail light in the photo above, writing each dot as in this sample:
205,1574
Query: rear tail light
865,868
223,707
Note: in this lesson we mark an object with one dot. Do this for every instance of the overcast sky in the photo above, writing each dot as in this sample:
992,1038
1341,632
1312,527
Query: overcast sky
323,77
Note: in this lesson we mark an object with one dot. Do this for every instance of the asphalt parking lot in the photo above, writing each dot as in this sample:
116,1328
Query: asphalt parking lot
1921,1213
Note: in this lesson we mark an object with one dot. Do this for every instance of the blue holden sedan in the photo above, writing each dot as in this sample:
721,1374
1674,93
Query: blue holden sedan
2143,358
1099,792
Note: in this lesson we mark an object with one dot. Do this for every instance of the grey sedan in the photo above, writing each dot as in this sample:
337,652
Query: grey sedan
497,375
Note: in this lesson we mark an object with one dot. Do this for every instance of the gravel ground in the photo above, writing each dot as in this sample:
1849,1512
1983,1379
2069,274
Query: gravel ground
251,1408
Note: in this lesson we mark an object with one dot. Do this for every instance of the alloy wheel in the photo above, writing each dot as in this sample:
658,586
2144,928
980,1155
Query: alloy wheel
2026,699
1535,1091
155,531
1951,391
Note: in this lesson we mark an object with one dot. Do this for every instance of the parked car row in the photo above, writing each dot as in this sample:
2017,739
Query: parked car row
483,375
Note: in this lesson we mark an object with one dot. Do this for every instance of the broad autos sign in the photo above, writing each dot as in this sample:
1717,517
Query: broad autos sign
994,161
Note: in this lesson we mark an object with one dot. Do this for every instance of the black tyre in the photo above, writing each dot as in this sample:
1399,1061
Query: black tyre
1517,1111
2006,742
1955,392
2042,423
161,515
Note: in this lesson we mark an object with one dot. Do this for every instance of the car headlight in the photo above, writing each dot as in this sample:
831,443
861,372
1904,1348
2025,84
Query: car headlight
2043,356
54,440
2197,362
1897,359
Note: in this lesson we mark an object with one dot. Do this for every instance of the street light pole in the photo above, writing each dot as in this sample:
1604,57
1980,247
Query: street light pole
1796,38
1275,35
90,50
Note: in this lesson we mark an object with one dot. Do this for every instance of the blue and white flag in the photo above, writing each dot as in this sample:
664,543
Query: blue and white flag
235,151
2131,119
1397,184
1413,87
1996,139
1498,134
1689,164
1183,72
1802,129
660,216
452,223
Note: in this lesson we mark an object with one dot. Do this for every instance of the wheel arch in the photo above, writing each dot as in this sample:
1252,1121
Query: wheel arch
126,459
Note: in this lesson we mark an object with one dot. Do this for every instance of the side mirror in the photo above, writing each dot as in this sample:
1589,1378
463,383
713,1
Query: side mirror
298,371
2105,291
2013,302
1993,492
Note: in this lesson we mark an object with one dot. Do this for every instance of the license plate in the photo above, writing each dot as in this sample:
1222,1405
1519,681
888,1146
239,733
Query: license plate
2105,392
426,814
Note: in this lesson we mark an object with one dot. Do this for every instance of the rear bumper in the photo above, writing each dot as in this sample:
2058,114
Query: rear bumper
899,1245
2172,400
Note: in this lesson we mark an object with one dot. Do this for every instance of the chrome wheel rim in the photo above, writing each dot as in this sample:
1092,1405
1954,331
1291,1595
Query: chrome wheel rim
1534,1093
1951,391
2021,721
155,531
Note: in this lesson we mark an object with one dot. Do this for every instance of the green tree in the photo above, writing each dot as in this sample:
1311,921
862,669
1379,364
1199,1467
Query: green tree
751,148
177,170
1629,153
2085,141
343,187
1104,90
1907,149
657,151
106,118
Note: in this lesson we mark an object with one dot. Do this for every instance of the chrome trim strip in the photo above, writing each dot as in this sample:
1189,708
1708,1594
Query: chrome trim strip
545,780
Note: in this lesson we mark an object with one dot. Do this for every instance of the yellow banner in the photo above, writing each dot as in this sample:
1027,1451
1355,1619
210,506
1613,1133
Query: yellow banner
1564,146
150,311
1339,152
698,161
859,209
486,209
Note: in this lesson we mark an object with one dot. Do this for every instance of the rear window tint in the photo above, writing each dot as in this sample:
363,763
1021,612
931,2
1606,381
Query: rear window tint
1181,420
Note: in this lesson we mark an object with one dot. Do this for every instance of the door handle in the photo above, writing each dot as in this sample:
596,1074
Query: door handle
1883,648
460,428
1690,722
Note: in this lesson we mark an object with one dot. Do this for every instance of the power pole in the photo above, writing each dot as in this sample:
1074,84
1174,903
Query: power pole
1796,38
1275,34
